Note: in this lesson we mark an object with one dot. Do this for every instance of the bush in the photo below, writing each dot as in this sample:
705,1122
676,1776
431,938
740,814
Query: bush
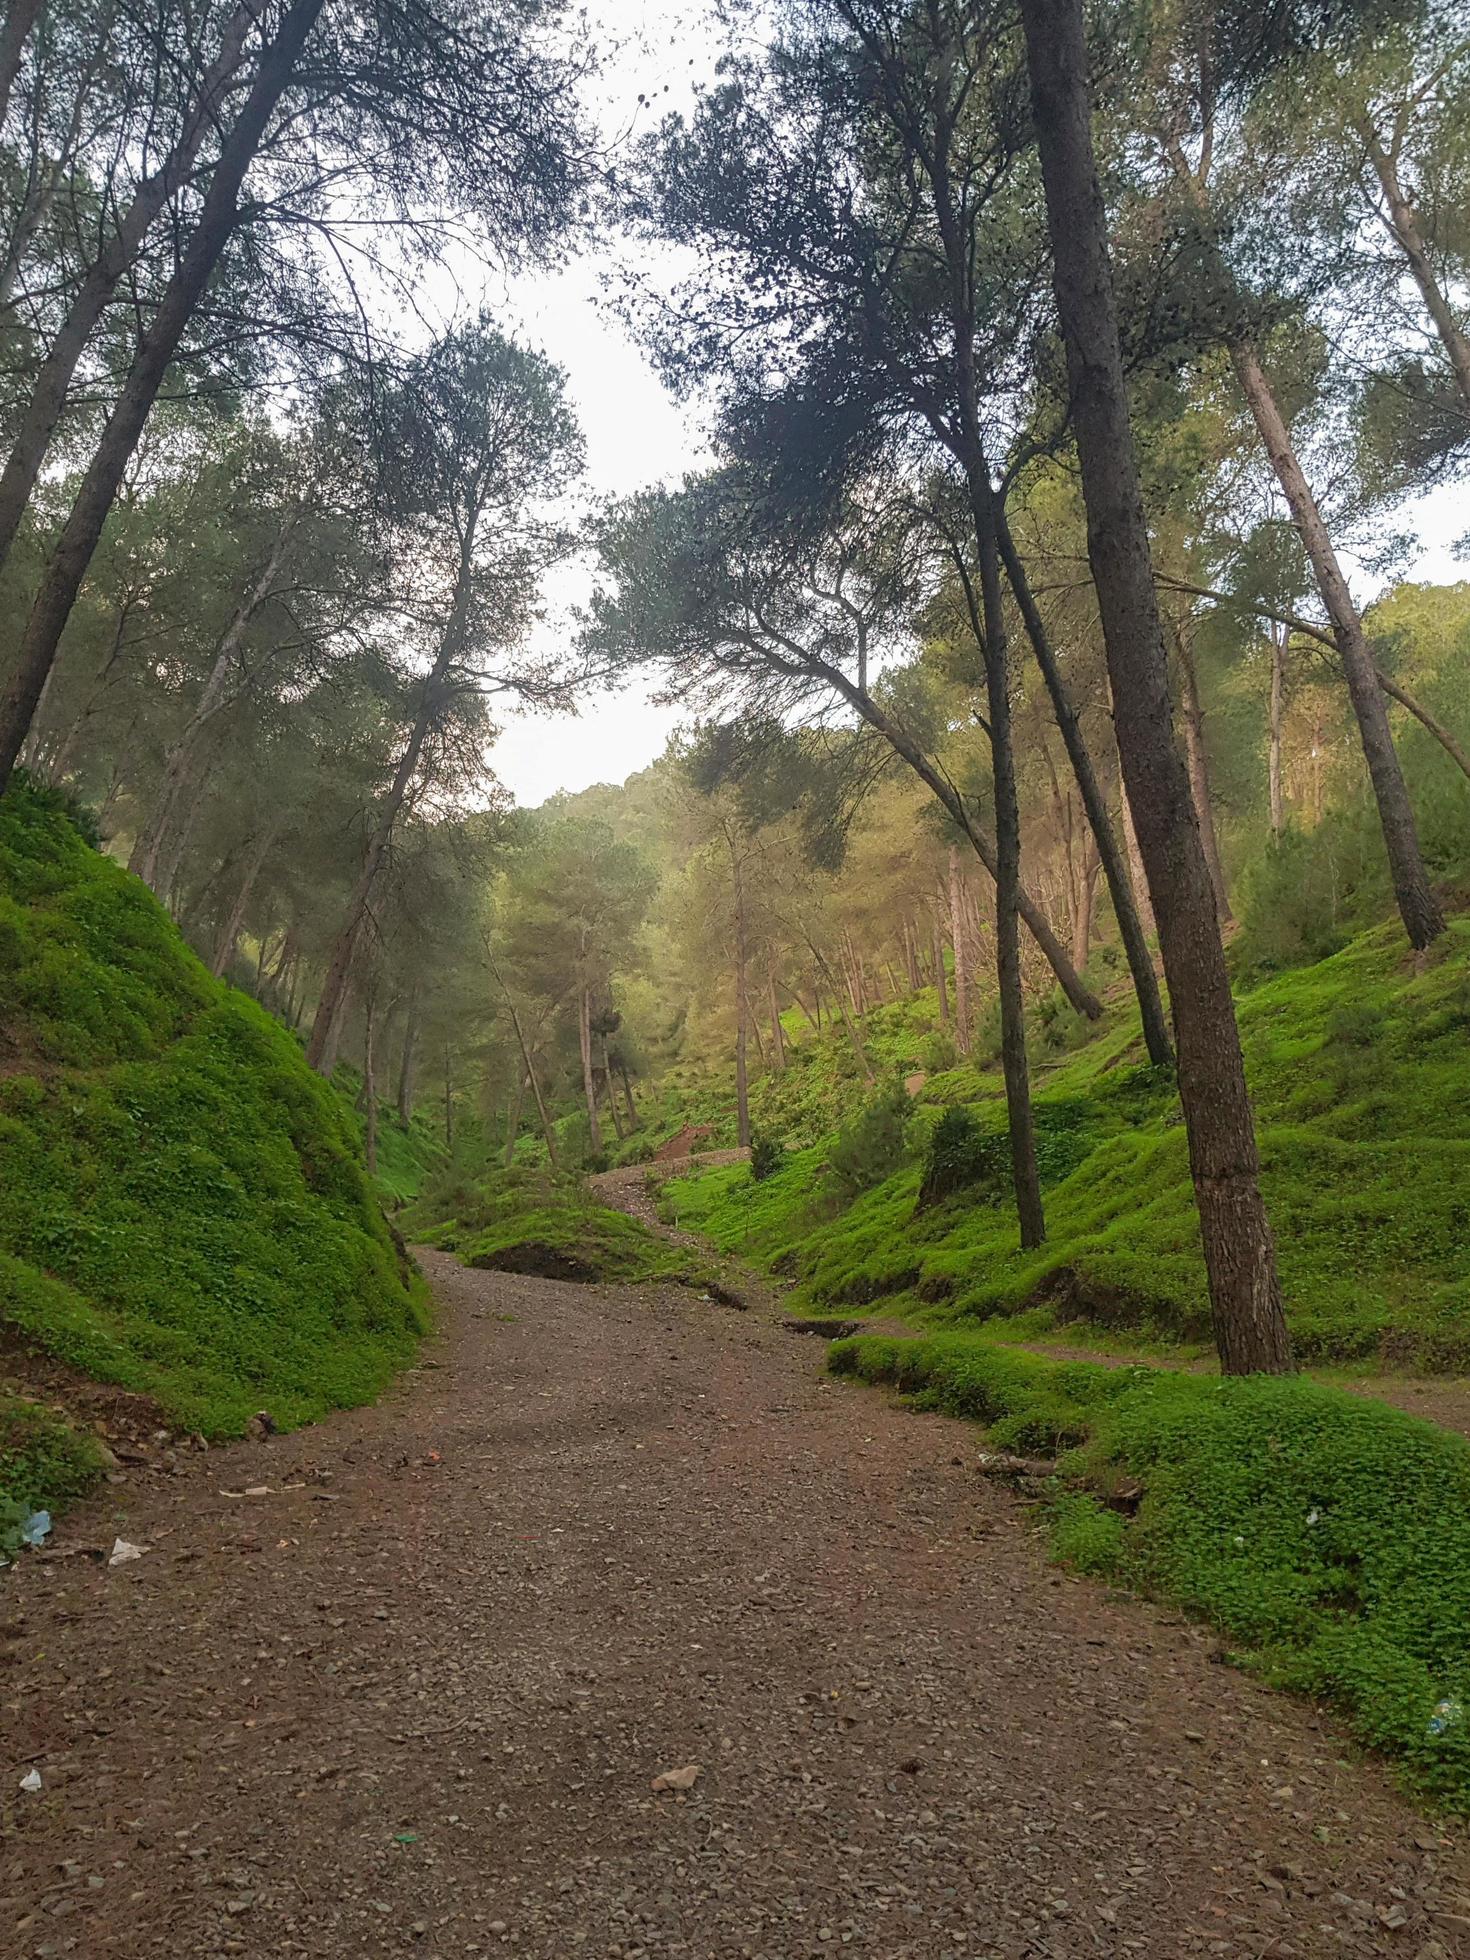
767,1155
872,1146
961,1154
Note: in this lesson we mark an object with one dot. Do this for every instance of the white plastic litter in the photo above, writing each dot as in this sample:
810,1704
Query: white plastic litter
122,1551
31,1781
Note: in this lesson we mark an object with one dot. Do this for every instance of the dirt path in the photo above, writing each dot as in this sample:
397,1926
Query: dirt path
424,1718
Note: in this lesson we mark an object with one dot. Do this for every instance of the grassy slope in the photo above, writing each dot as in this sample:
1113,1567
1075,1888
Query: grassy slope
528,1220
183,1209
1358,1071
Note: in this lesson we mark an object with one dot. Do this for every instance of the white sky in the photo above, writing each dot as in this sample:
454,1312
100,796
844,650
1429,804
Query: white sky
637,435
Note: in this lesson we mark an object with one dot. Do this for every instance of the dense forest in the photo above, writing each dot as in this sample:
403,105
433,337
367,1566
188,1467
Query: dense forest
1050,909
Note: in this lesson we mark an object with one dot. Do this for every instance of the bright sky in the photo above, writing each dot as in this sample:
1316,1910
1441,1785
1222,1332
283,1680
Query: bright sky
637,435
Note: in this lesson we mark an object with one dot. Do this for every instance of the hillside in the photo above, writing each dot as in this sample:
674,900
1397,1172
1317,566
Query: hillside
1357,1068
183,1211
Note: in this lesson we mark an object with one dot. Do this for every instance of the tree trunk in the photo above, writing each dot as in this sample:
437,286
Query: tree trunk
1068,979
1418,907
513,1118
1240,1259
742,1013
326,1066
151,859
224,946
589,1084
835,987
370,1078
959,938
1126,909
941,986
448,1102
43,410
548,1128
1015,1067
1403,224
1198,764
612,1102
407,1060
628,1095
72,553
778,1033
1084,906
20,18
1279,637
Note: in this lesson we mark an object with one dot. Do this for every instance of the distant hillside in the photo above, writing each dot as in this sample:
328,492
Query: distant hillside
183,1210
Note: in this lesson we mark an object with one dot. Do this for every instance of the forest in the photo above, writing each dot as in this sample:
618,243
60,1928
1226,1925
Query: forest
1035,958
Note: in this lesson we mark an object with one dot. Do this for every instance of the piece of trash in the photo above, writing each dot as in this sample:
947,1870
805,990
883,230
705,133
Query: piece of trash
35,1527
123,1552
1448,1714
31,1781
433,1457
1313,1515
677,1779
255,1490
406,1837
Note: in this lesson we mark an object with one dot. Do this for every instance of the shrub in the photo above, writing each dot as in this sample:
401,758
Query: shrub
961,1154
872,1146
767,1155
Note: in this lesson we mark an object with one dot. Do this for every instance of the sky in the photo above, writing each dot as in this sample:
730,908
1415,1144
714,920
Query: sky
636,434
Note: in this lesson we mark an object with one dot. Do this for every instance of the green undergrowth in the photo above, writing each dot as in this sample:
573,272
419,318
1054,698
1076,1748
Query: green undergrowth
1357,1067
183,1207
1327,1536
45,1464
531,1220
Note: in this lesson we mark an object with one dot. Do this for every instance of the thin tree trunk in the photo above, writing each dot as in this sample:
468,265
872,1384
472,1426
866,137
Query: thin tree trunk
1418,907
1193,715
941,986
1240,1259
1085,904
778,1033
513,1118
612,1102
224,946
1068,979
72,553
151,858
628,1094
959,939
835,988
20,18
1403,224
42,412
1014,1064
449,1102
589,1085
1124,893
408,1059
742,1006
548,1129
1279,636
370,1077
326,1066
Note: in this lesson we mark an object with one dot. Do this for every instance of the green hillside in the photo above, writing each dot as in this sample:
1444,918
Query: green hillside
1358,1069
183,1209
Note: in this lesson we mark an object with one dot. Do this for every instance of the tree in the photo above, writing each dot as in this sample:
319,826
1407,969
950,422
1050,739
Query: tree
1240,1261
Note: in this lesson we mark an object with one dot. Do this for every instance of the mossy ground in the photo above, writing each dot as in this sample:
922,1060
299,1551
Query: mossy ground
1358,1070
183,1209
529,1220
1326,1535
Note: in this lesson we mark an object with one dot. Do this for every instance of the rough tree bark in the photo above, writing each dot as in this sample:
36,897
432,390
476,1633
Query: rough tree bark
1121,889
1240,1259
73,550
959,938
589,1081
1279,637
1192,714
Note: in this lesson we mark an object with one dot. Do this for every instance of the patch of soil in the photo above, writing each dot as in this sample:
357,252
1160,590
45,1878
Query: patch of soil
123,1419
413,1695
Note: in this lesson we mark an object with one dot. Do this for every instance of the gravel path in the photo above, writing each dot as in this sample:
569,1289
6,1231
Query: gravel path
600,1535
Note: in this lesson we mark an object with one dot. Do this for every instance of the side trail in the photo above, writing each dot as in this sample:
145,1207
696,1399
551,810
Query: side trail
414,1697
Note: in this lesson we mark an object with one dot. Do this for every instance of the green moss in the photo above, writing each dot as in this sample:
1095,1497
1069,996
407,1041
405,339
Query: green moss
529,1220
1327,1536
183,1208
1357,1069
45,1465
